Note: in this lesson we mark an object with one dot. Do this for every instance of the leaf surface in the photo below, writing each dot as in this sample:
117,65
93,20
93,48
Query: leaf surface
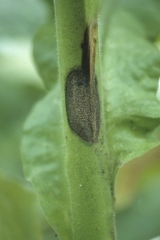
44,161
18,218
131,73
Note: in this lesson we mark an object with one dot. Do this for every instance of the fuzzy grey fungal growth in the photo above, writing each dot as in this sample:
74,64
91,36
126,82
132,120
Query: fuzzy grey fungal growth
82,105
82,100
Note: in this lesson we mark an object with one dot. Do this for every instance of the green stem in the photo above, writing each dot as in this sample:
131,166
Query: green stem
88,167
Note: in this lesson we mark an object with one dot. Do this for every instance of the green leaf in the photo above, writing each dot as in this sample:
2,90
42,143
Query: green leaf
147,12
131,72
18,218
45,54
142,217
18,18
16,101
44,161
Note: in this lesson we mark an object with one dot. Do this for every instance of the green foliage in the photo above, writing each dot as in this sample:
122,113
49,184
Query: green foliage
20,214
18,18
130,74
19,205
15,222
130,64
144,206
45,54
44,138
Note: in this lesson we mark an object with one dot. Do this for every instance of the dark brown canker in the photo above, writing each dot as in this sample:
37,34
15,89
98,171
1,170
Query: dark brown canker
82,100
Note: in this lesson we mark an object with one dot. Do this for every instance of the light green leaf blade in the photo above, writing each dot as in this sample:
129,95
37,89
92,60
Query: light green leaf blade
18,212
131,73
44,161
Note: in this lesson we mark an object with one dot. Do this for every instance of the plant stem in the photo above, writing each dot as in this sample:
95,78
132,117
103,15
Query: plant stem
87,164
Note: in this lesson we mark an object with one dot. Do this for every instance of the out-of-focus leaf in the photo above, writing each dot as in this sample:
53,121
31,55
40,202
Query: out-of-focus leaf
134,174
142,220
131,71
16,101
18,212
147,12
18,18
45,54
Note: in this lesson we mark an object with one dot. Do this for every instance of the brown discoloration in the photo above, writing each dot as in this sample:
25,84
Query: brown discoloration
82,100
82,109
92,44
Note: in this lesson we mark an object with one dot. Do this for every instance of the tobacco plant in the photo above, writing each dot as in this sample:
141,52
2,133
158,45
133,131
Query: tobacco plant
100,112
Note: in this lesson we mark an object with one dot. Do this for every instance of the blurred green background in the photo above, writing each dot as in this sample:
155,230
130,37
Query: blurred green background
26,31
